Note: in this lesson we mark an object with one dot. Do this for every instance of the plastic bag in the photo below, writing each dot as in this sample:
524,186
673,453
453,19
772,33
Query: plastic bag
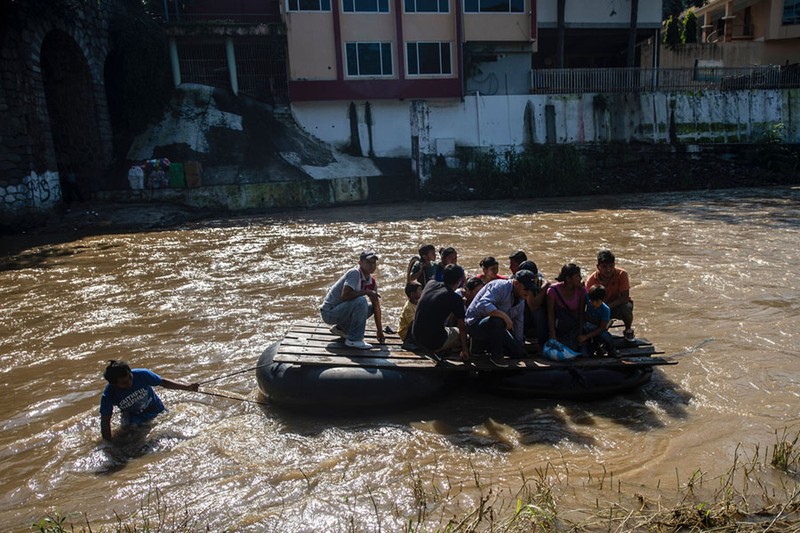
555,351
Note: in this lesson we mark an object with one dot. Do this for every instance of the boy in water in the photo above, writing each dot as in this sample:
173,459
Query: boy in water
595,338
132,392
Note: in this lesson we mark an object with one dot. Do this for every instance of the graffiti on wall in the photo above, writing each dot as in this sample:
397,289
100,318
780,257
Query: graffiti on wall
44,190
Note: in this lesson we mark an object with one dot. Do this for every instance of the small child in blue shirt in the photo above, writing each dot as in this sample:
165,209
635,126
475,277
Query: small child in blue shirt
595,338
131,391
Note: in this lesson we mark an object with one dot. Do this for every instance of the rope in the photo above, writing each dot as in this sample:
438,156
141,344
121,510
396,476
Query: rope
234,373
694,348
232,397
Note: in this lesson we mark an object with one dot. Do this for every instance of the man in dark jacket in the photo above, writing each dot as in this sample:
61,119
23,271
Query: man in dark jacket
439,305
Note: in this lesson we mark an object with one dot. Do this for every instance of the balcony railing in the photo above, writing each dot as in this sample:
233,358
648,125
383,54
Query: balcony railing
229,18
633,80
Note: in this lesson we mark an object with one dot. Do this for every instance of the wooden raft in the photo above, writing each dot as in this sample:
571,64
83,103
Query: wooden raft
308,343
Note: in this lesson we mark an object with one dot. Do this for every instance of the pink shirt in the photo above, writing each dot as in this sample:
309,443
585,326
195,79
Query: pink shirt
573,304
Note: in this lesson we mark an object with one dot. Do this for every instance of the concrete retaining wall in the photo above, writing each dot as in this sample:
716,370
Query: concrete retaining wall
263,196
507,121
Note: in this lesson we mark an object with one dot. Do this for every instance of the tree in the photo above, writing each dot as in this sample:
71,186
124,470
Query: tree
672,32
689,34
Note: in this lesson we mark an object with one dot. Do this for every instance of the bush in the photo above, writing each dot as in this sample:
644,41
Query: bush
689,34
535,171
672,32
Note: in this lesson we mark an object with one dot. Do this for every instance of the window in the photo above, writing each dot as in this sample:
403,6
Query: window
791,12
428,58
494,6
427,6
309,5
365,6
369,59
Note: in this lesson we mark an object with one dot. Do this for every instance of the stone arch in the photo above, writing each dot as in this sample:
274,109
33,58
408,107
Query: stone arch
72,109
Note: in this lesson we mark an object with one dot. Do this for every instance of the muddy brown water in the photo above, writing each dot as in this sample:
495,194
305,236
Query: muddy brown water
715,280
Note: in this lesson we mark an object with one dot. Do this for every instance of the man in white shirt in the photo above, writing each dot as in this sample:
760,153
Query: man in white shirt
351,300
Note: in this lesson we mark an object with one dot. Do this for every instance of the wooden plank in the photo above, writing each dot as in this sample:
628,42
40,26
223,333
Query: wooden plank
638,352
327,336
535,364
311,343
343,361
338,349
620,342
317,340
324,329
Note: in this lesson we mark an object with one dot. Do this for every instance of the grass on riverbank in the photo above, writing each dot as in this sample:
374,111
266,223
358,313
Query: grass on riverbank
759,492
754,494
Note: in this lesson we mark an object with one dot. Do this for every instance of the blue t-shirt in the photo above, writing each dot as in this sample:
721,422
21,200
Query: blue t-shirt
138,404
597,316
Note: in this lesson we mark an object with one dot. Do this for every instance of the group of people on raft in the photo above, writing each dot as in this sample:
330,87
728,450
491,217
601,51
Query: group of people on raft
498,313
444,309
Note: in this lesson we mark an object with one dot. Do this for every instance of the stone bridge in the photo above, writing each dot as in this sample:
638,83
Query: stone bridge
54,55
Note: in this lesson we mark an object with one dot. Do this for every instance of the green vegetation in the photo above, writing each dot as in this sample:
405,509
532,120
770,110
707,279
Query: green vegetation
680,30
750,496
754,494
786,455
689,32
672,32
774,154
539,170
153,515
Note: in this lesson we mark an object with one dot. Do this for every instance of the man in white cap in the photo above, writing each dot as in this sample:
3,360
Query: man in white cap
351,300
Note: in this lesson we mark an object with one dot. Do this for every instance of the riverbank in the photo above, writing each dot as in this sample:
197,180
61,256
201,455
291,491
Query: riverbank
706,501
641,176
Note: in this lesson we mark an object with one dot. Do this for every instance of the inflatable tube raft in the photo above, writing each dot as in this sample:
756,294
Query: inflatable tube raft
312,369
567,383
345,389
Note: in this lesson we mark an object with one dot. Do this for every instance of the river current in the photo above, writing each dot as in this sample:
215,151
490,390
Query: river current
715,282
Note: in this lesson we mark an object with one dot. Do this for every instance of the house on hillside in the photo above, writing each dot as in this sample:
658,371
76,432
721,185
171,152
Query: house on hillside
328,50
401,49
742,33
434,80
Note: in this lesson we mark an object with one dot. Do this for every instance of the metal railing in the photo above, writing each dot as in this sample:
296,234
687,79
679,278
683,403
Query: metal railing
204,63
260,66
632,80
225,18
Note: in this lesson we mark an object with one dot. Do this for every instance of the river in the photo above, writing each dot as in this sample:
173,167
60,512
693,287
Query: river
715,283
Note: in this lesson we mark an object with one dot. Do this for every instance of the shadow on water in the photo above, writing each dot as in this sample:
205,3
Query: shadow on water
48,256
471,419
